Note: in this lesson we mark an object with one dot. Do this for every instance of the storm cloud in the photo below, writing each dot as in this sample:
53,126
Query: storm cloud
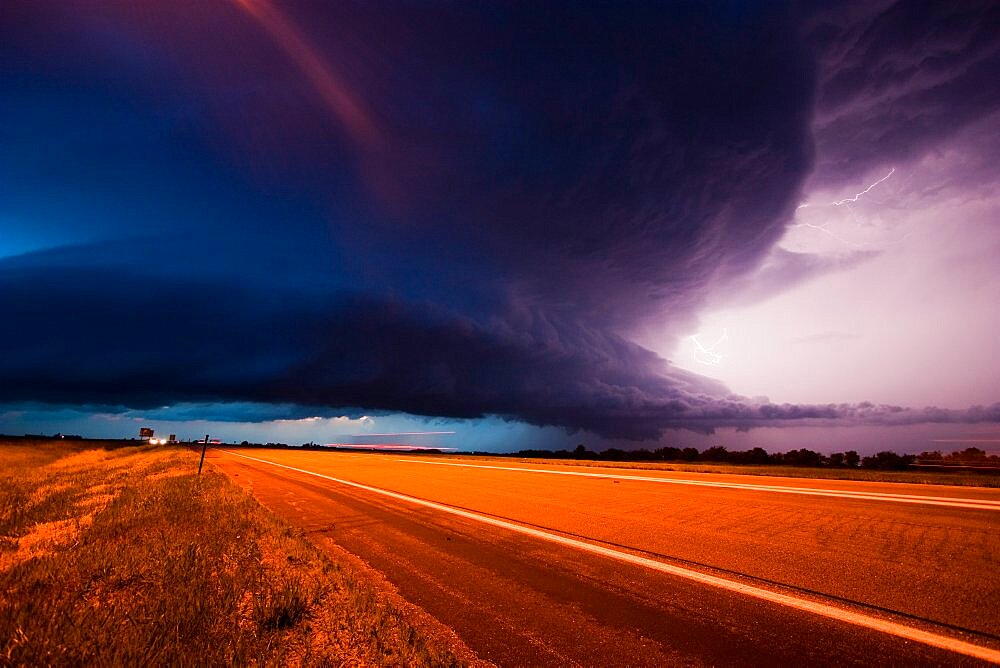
897,77
535,189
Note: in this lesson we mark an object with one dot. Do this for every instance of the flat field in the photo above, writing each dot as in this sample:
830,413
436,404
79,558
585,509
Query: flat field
121,555
961,478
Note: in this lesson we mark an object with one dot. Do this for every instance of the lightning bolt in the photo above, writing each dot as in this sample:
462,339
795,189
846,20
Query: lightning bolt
846,202
855,198
707,354
849,200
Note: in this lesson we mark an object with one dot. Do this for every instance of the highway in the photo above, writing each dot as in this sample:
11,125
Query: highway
534,564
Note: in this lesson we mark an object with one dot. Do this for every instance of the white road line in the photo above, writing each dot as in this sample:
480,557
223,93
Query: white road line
956,502
806,605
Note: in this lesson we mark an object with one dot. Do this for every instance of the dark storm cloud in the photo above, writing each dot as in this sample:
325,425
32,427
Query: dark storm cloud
351,350
540,184
342,350
739,412
898,77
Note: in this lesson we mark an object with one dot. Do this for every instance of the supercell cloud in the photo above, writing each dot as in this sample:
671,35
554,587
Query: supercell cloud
895,79
448,210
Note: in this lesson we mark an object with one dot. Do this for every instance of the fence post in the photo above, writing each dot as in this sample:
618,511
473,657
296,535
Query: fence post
204,446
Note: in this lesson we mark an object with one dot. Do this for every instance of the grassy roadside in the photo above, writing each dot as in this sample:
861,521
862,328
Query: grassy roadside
123,556
963,479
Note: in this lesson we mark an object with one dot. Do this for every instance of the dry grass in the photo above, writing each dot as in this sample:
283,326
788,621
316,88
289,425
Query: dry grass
124,556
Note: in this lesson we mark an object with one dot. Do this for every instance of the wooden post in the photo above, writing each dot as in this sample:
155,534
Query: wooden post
204,446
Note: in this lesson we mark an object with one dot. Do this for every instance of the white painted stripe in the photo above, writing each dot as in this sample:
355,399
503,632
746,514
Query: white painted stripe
839,614
956,502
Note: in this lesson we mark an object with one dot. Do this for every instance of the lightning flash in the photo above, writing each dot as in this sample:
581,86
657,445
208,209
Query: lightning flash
849,200
846,202
708,354
856,197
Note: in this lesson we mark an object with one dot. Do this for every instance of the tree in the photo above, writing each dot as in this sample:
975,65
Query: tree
716,453
969,455
888,461
803,457
755,456
668,454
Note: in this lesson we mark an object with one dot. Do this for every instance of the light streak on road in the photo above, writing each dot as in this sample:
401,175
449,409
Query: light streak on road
965,440
953,502
406,433
387,447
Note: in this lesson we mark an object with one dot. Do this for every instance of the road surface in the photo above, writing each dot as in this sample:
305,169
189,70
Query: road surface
536,564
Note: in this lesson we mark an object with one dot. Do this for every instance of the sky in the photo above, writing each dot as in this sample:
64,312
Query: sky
629,224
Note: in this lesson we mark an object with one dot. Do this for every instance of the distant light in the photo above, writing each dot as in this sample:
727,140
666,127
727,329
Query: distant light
389,447
404,433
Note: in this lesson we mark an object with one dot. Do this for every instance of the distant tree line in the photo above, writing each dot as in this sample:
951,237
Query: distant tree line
967,457
885,460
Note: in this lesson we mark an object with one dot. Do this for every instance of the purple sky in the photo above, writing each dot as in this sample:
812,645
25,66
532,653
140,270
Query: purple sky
905,310
628,225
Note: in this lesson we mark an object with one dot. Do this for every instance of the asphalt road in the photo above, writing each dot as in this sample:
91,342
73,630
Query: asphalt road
557,565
